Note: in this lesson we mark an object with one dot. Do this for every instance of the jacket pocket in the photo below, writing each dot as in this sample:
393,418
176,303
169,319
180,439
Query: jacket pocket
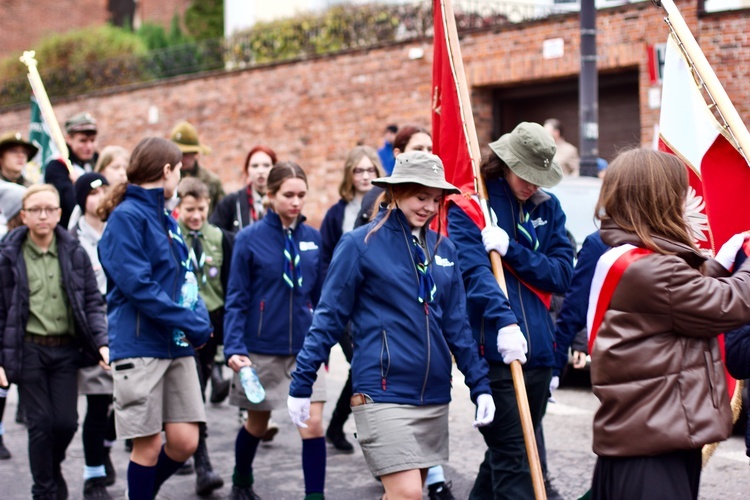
262,307
385,359
711,374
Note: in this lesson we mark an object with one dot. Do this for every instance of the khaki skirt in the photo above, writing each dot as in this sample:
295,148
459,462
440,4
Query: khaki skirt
275,375
397,437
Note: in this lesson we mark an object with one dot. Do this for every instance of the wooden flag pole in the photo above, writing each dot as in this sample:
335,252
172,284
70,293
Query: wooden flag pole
470,131
734,123
46,107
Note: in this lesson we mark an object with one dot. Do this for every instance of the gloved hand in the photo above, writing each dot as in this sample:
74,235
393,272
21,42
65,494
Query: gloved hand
485,410
554,384
511,344
495,238
725,256
299,410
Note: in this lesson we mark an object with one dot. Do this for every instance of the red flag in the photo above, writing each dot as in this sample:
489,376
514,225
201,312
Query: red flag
449,139
719,175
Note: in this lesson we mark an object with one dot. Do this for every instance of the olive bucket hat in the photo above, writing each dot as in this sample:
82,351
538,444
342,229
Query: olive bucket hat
185,137
417,167
529,151
11,139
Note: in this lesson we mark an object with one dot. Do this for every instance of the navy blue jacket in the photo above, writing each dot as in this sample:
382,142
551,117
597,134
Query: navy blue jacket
549,268
402,348
331,231
262,314
572,316
145,280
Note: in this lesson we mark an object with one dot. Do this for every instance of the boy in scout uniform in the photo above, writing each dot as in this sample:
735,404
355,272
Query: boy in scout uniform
211,253
15,153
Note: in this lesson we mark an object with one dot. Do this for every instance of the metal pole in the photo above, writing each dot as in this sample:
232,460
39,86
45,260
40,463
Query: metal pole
588,91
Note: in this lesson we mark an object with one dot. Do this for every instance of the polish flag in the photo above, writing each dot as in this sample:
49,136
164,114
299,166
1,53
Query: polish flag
719,175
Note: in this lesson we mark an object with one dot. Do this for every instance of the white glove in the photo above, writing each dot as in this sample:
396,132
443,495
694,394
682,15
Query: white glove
729,250
485,410
495,238
554,384
511,344
299,410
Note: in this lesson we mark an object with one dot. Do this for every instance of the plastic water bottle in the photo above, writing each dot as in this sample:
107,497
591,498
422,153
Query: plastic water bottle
254,391
188,299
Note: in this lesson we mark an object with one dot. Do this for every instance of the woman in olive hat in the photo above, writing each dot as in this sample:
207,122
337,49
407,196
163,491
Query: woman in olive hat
401,370
15,153
538,261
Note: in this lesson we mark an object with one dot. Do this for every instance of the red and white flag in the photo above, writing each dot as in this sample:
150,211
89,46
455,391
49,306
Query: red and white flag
719,175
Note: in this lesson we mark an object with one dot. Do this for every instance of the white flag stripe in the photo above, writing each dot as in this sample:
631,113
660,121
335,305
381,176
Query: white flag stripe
606,261
686,124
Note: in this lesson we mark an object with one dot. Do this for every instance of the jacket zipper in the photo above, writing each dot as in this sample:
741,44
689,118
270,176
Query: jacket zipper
481,338
520,295
291,310
238,211
176,279
384,349
429,350
138,324
260,321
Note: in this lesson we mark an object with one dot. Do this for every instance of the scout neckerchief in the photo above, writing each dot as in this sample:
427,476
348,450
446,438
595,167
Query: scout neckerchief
189,289
427,287
609,271
292,266
197,256
526,232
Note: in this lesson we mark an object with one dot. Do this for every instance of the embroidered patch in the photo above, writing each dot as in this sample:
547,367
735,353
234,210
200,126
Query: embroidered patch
440,261
305,246
538,222
213,272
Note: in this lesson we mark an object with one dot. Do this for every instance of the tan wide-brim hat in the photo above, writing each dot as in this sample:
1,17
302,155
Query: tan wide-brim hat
185,137
529,151
10,139
417,167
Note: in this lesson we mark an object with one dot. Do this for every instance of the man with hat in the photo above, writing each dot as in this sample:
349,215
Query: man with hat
15,153
81,140
537,262
186,138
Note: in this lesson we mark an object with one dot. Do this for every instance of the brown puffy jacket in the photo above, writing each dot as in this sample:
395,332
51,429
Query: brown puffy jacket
656,366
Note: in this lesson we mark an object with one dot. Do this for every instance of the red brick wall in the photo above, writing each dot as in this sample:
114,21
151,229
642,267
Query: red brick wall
313,111
24,22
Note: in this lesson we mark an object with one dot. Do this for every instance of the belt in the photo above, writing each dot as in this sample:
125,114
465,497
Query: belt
359,399
49,340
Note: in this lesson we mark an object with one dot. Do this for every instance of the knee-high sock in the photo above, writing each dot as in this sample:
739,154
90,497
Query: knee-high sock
245,447
165,467
314,464
141,481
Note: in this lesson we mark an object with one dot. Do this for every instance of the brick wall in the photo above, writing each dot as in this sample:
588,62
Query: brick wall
314,111
25,22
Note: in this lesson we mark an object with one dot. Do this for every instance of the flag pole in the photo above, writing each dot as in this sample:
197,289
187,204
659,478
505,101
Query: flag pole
738,132
45,107
470,131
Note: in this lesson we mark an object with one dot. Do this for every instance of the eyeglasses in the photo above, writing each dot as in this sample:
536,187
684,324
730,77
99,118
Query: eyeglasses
370,171
37,211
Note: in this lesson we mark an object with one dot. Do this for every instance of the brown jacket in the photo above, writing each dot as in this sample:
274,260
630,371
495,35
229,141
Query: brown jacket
656,366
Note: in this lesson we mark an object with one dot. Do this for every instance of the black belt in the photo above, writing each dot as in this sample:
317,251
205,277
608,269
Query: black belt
49,340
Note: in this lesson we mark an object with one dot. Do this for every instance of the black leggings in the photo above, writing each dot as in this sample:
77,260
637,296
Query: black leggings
98,426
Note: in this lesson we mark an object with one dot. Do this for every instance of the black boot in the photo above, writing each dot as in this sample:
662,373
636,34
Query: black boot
206,480
335,435
219,385
4,452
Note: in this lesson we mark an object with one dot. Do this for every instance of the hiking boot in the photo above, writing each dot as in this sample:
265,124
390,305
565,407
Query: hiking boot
440,491
271,430
95,488
552,493
337,438
243,493
206,480
185,469
4,452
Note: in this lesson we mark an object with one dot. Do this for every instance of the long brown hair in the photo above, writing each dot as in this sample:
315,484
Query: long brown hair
146,165
644,193
346,188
